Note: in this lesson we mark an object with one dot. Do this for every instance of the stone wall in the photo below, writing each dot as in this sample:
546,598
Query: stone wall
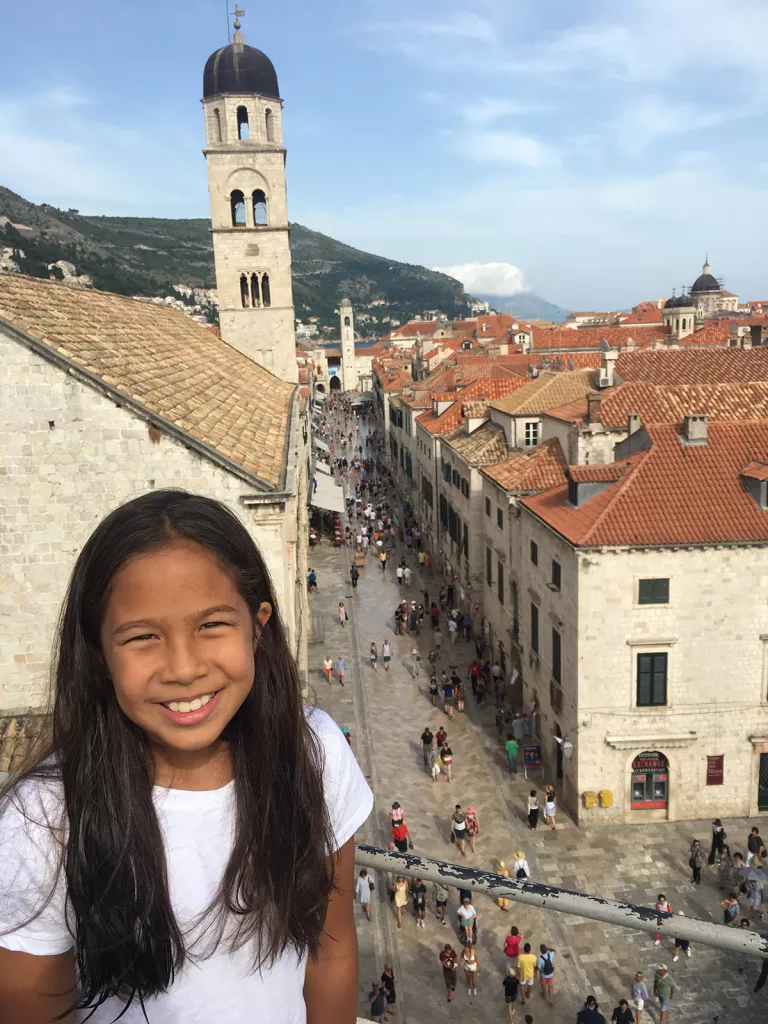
68,455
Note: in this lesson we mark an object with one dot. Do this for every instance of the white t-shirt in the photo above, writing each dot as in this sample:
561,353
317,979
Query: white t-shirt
198,833
467,913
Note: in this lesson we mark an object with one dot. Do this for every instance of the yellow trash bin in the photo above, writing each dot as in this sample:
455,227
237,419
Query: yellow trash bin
590,799
606,798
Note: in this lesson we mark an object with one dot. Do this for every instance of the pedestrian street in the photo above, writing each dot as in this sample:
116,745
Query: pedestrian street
386,714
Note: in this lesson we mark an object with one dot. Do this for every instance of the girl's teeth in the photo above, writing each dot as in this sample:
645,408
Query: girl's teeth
190,705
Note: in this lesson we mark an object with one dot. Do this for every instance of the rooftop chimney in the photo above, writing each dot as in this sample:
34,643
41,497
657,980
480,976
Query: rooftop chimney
633,423
695,429
593,407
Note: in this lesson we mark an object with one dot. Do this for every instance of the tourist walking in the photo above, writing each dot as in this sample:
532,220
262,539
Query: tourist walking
401,837
623,1014
681,945
459,827
731,909
400,890
546,968
426,740
433,762
471,966
447,688
718,839
664,990
512,945
662,907
328,668
419,897
341,668
446,761
550,809
520,868
342,613
363,888
377,997
640,994
511,989
399,574
512,753
354,575
726,868
388,982
504,872
433,687
591,1012
755,844
526,970
386,654
396,814
437,638
416,658
442,897
448,962
467,921
374,656
533,810
696,861
473,827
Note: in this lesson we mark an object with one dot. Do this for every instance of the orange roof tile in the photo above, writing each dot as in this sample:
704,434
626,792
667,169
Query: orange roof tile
530,469
598,474
483,388
671,494
546,391
756,471
683,366
486,445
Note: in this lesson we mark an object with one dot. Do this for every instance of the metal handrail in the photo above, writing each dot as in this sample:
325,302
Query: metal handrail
566,901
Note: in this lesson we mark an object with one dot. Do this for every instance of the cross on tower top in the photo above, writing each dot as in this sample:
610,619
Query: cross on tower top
238,13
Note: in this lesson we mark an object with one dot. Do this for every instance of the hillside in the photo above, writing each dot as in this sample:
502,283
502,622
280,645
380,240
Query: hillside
146,256
526,306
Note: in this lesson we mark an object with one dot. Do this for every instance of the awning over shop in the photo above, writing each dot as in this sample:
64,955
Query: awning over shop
326,494
363,399
320,444
323,467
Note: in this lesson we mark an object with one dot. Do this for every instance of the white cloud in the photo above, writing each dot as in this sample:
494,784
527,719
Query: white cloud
488,278
410,37
491,108
496,147
652,117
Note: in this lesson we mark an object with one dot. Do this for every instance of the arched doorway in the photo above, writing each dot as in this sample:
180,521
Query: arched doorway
650,781
558,752
335,383
320,388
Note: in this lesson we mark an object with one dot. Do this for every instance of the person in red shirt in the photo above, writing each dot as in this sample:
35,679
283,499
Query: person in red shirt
474,674
400,836
441,736
448,960
512,945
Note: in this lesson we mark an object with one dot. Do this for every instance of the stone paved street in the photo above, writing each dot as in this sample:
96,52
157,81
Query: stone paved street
386,714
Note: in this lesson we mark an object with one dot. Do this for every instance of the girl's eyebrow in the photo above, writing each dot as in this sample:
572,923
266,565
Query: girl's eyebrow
124,626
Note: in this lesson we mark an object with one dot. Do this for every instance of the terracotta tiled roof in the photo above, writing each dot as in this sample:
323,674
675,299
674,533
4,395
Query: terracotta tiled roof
716,333
416,329
484,388
19,735
671,494
756,471
679,366
530,469
486,445
564,339
546,392
171,366
600,474
474,410
657,404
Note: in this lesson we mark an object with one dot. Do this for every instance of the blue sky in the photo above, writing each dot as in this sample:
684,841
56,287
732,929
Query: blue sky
592,151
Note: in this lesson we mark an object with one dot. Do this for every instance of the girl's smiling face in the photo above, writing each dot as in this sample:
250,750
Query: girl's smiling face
178,640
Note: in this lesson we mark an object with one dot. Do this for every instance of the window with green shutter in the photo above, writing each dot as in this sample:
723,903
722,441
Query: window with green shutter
651,680
653,592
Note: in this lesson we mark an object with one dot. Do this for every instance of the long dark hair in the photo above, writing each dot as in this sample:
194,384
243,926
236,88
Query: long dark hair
276,885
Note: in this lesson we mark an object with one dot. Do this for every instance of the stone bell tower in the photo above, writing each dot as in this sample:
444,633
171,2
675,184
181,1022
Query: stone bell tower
249,217
348,365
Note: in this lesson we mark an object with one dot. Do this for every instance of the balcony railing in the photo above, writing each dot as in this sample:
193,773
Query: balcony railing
579,904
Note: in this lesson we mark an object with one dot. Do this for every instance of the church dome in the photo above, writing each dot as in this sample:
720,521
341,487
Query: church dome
679,302
238,69
706,282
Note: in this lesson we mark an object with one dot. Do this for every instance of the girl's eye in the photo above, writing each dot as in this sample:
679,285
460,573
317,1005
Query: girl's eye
144,636
213,625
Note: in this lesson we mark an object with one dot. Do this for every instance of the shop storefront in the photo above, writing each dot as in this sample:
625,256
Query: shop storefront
650,781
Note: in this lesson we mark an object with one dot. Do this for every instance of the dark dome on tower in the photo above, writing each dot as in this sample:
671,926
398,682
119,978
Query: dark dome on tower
706,282
238,68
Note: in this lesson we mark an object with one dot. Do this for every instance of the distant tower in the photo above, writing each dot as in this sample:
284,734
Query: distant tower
348,365
249,217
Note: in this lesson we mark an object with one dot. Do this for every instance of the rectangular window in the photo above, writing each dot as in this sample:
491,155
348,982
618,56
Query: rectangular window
456,478
556,656
556,574
488,507
651,680
534,627
531,434
534,552
500,581
488,567
653,592
465,542
500,518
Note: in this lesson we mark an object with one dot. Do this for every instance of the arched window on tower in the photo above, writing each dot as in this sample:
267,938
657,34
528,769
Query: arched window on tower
266,298
269,122
216,125
255,296
347,321
244,290
243,130
237,205
684,323
259,208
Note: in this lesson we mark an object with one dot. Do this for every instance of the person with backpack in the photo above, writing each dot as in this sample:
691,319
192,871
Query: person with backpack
520,868
546,968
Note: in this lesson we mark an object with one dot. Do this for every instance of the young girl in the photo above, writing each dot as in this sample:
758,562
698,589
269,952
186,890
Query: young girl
183,847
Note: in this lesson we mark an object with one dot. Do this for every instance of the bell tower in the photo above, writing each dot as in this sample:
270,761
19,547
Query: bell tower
249,216
348,365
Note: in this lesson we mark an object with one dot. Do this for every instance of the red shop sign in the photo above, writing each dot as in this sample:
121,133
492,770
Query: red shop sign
715,769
